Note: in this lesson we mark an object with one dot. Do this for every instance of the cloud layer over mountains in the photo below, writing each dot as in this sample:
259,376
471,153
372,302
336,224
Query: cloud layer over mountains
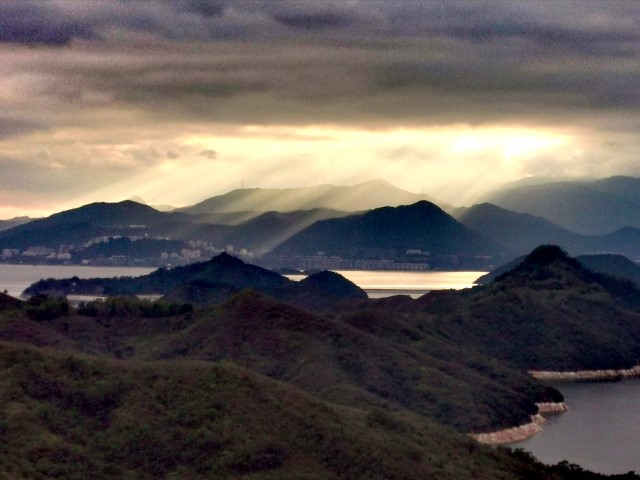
121,90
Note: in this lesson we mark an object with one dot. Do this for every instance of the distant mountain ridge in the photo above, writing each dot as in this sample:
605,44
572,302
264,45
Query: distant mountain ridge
422,225
80,224
13,222
523,232
251,230
363,196
593,207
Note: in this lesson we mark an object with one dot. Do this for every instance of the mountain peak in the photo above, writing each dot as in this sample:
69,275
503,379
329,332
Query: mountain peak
331,284
546,263
363,196
547,254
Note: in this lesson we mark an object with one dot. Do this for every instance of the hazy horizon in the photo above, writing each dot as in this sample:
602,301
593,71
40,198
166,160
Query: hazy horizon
158,203
176,102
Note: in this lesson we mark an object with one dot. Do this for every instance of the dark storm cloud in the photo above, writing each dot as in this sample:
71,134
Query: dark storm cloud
10,127
580,25
314,62
39,23
315,20
207,8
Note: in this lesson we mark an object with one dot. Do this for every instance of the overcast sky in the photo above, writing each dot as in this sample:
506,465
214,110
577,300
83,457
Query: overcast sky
178,101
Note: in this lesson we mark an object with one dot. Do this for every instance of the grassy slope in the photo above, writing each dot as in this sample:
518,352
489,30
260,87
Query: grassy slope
363,358
73,417
343,360
552,315
351,395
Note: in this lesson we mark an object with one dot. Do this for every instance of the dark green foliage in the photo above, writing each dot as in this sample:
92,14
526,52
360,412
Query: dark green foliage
366,358
8,302
133,307
80,417
43,307
363,392
547,313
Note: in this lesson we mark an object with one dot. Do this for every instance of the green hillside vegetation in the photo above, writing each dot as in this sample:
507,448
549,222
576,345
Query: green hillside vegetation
342,359
254,387
78,417
549,313
350,365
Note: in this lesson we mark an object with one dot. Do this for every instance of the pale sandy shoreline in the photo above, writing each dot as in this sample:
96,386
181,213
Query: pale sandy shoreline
521,432
587,375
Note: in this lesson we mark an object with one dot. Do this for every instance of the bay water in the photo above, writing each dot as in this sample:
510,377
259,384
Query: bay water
16,278
600,432
385,283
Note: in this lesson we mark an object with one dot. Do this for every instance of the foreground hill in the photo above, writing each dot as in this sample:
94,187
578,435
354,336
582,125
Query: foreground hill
421,226
364,196
344,361
258,388
364,359
548,313
78,417
591,207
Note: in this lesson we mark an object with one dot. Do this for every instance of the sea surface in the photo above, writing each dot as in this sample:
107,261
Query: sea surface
15,278
380,284
600,432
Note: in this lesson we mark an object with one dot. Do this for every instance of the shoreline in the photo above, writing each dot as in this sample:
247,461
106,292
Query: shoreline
587,375
521,432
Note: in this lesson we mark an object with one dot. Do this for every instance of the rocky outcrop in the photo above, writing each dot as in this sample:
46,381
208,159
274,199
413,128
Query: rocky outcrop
514,434
587,375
